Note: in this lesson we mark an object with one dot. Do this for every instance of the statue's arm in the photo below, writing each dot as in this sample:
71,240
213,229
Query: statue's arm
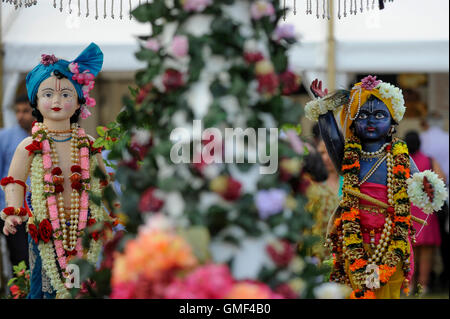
14,193
333,139
19,170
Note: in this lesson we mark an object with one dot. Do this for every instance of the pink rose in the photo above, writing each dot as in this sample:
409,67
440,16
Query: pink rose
196,5
260,9
180,46
284,31
85,112
152,44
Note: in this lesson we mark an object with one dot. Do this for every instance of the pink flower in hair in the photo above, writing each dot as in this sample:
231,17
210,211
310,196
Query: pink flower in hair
369,82
85,112
88,77
73,67
47,59
90,101
88,87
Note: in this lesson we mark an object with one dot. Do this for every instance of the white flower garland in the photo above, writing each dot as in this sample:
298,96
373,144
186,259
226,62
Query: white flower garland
389,91
418,196
317,107
40,212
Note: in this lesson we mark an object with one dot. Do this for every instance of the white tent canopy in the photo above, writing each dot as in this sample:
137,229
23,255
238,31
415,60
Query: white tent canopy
407,36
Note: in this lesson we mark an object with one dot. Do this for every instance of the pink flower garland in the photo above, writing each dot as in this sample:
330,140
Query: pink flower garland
52,202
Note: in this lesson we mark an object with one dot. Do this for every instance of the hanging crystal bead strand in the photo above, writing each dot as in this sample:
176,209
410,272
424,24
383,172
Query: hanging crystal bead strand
104,9
345,8
87,8
112,9
70,6
295,7
129,2
328,10
60,6
79,8
317,9
120,16
96,9
339,9
361,7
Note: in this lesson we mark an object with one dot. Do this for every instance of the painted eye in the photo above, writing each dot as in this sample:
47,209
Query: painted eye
362,116
380,115
48,95
65,95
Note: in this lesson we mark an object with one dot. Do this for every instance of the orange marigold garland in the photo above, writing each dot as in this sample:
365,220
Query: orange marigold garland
347,240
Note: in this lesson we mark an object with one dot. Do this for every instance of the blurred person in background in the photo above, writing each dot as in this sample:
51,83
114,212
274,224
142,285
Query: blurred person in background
9,139
322,194
428,237
435,144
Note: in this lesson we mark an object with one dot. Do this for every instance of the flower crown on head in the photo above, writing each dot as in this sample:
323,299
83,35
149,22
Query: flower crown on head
386,91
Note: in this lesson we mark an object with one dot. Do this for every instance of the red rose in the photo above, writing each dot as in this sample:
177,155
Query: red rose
33,231
289,82
283,255
59,188
172,79
75,169
91,221
45,230
233,190
253,57
268,83
150,203
35,146
95,235
56,171
76,185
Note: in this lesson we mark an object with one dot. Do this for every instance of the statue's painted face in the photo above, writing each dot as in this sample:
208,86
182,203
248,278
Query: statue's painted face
57,99
373,122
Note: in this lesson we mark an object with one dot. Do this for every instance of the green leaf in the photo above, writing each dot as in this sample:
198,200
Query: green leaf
99,142
100,130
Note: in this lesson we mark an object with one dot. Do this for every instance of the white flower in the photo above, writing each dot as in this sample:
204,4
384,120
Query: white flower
331,290
419,197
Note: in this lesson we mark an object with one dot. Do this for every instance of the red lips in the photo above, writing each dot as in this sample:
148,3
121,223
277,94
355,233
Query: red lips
371,129
56,109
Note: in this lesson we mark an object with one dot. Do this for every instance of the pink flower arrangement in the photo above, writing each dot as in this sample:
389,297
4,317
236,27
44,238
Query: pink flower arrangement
206,282
260,9
47,59
73,67
284,31
180,46
152,44
195,5
369,82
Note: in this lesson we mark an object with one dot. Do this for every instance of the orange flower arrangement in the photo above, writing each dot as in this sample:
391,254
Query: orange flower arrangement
400,169
385,272
403,219
350,166
351,215
358,264
151,254
368,294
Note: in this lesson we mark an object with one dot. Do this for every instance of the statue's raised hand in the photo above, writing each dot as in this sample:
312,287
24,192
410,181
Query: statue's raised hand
10,225
316,88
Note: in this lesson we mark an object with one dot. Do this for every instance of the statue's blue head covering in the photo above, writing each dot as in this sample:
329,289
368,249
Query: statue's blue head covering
89,61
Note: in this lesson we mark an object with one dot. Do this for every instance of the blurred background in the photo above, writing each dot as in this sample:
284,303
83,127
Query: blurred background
406,44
